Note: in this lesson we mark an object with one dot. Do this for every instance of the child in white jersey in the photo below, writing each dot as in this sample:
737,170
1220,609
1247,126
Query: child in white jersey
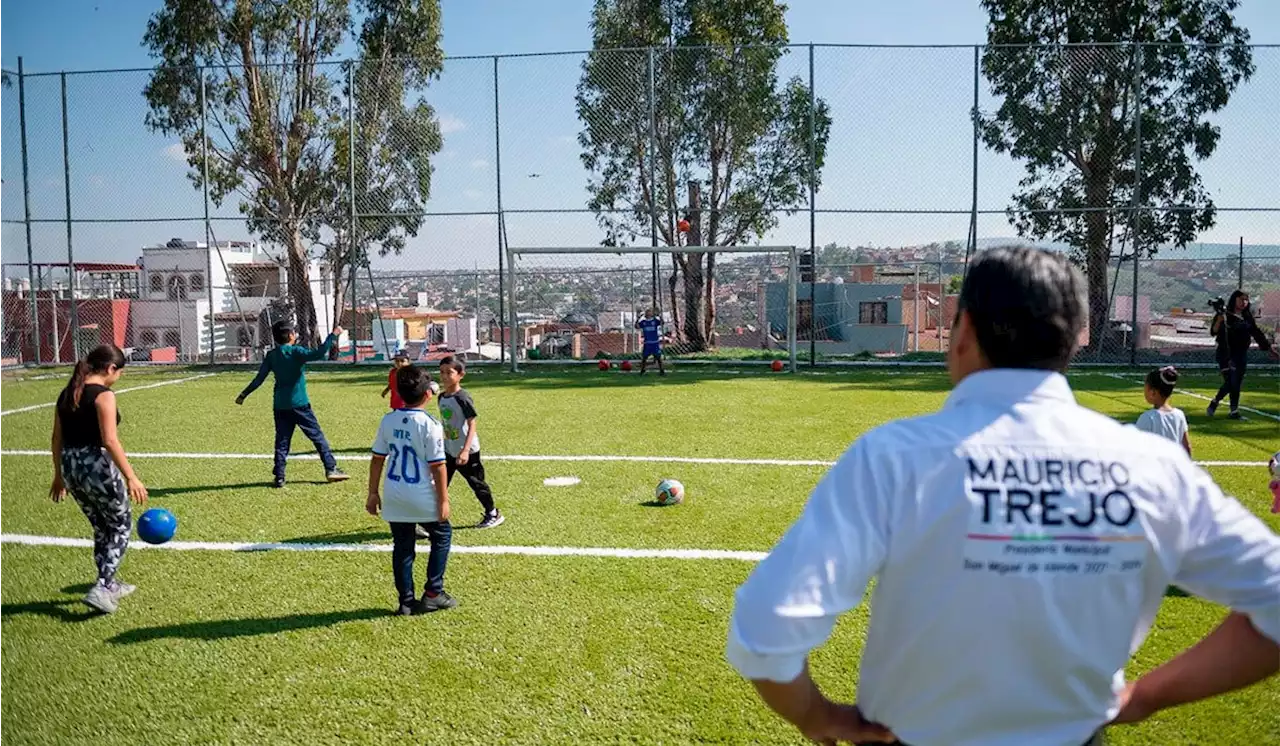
1162,419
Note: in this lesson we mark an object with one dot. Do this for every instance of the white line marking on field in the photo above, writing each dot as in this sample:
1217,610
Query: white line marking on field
517,457
1184,392
272,546
118,391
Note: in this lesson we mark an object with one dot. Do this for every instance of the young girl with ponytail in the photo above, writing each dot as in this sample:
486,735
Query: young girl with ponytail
89,462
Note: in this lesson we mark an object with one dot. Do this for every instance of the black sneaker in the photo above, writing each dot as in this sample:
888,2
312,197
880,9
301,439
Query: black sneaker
1213,407
337,475
278,483
438,602
1234,414
406,609
492,519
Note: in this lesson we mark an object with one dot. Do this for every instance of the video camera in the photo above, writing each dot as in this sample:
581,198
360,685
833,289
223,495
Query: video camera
1218,305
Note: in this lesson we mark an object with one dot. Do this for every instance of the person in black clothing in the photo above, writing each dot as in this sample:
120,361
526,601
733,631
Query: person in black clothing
1234,329
89,462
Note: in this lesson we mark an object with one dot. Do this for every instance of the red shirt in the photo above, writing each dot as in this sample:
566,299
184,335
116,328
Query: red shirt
396,401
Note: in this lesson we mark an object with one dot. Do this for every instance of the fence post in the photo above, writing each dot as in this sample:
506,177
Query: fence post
352,229
71,257
813,225
653,179
1240,266
497,170
208,226
972,246
1136,220
26,214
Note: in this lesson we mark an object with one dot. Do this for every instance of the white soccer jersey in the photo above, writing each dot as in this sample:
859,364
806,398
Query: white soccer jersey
411,440
1169,424
1022,546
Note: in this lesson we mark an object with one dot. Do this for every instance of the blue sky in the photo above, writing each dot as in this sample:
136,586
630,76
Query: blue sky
900,140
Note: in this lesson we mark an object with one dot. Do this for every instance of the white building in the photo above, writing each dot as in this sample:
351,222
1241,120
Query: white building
181,280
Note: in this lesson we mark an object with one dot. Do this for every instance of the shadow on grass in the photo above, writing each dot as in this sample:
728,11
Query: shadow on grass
231,628
342,537
170,491
656,504
60,610
1174,591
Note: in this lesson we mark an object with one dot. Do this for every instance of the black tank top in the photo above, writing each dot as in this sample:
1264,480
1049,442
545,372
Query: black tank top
80,426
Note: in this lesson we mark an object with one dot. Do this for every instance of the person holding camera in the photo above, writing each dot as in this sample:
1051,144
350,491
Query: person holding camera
1234,328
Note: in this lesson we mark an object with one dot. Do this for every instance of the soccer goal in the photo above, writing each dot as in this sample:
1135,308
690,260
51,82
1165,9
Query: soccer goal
721,303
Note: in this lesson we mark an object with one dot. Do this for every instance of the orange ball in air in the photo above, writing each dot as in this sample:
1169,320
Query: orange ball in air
683,225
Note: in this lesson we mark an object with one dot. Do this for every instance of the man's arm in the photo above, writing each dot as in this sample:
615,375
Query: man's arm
819,569
319,353
1264,344
263,370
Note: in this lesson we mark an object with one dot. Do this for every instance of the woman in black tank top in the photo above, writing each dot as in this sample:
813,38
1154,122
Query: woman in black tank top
90,463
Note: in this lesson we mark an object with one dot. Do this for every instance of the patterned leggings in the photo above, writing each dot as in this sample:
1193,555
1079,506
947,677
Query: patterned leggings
98,488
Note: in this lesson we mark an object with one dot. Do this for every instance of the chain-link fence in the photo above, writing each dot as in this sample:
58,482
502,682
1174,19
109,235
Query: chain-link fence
148,219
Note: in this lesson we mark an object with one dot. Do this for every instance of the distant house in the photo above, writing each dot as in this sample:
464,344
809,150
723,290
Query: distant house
844,318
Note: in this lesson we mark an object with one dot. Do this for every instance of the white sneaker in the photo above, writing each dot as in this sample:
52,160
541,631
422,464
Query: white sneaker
101,598
120,590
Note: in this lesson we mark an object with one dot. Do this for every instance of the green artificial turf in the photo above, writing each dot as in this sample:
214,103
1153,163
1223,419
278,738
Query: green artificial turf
300,647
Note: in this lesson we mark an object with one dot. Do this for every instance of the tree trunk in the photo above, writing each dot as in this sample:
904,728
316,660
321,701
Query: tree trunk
300,288
674,295
337,266
694,279
710,319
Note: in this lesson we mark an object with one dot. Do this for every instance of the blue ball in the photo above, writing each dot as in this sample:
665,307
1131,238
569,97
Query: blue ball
156,526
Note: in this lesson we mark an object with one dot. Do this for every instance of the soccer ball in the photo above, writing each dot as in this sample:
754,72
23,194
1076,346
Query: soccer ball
1274,465
156,526
670,492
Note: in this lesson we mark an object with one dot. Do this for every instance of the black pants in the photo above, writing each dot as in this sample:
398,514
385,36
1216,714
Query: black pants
1232,380
404,549
1095,740
473,472
305,420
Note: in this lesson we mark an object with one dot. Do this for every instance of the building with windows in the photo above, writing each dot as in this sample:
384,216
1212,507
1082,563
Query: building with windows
843,318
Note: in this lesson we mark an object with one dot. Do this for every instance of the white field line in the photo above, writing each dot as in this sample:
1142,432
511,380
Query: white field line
235,546
516,457
1184,392
118,391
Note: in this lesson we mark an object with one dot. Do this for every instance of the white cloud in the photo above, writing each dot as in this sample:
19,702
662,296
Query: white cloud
472,194
450,123
479,163
176,152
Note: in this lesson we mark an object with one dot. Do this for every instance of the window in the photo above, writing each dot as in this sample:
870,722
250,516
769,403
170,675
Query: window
177,287
157,282
172,338
196,283
149,338
873,312
435,334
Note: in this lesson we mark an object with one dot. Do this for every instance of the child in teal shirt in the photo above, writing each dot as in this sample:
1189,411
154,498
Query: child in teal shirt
288,362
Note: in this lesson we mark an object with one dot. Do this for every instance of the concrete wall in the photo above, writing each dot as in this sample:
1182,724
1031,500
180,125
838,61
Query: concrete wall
836,310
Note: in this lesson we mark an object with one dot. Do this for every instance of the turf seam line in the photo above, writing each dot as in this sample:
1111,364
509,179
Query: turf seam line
527,457
528,551
46,405
1119,377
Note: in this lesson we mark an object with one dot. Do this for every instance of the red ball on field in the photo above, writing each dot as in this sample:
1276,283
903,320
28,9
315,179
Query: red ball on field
683,225
604,365
626,365
777,366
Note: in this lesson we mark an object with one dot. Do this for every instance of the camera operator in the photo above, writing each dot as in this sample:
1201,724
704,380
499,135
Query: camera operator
1233,326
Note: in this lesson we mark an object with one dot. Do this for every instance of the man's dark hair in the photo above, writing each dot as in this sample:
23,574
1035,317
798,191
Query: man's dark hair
455,362
1027,306
413,384
280,331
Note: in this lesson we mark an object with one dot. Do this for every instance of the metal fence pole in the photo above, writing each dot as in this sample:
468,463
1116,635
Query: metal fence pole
653,179
208,227
1240,266
813,225
71,257
972,247
497,170
26,214
1136,223
351,197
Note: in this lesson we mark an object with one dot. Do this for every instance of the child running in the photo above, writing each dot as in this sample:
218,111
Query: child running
89,462
1162,419
401,360
416,494
461,440
651,332
288,361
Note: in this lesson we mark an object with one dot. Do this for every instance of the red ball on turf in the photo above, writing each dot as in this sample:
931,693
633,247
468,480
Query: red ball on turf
777,366
604,365
626,365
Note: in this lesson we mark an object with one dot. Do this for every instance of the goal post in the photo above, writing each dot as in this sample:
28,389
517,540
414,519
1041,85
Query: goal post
580,303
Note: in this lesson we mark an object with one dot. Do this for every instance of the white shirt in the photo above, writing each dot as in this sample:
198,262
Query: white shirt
411,440
1022,546
1170,424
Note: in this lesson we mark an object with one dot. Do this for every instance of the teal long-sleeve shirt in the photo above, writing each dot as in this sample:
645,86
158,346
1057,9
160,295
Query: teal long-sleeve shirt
288,363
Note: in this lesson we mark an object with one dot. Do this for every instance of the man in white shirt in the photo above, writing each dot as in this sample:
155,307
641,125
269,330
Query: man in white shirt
1021,544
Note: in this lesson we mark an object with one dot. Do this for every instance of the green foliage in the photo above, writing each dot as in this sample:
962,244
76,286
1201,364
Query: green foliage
1072,115
720,118
275,117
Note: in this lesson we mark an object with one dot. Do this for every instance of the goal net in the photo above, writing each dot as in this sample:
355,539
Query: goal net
723,303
